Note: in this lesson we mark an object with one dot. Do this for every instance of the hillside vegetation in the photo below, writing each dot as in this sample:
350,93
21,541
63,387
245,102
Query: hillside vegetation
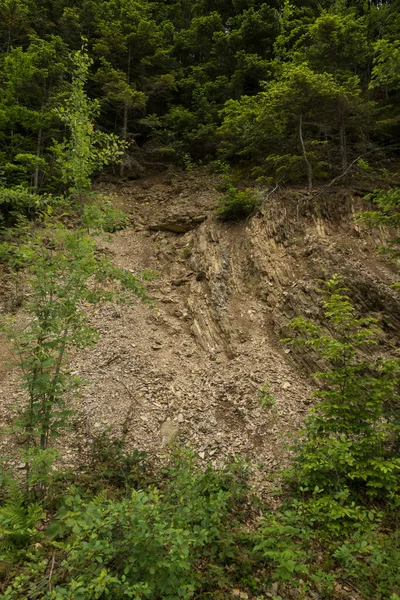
294,91
199,211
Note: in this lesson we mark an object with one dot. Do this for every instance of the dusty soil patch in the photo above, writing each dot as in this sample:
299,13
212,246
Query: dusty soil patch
188,369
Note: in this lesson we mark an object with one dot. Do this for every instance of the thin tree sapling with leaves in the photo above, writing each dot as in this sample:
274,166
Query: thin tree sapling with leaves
65,274
87,149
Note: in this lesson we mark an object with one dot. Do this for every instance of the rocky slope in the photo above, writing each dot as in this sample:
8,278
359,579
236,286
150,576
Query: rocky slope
189,368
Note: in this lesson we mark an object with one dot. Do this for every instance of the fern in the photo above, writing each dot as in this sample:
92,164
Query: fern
100,498
17,519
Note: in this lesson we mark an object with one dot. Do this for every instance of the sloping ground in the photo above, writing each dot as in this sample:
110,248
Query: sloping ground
189,368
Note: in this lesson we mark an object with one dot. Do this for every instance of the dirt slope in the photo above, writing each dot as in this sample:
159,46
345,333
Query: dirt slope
190,368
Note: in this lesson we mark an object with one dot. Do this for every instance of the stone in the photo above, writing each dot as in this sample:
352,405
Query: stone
169,431
178,223
180,418
286,385
275,588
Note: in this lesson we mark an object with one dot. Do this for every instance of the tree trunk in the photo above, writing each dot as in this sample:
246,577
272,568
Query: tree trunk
124,133
308,164
328,153
37,167
8,40
126,111
343,141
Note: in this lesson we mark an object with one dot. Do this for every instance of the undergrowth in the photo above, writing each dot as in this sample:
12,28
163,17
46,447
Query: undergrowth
237,205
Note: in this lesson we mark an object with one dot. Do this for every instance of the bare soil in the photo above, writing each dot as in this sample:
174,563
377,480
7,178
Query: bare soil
188,368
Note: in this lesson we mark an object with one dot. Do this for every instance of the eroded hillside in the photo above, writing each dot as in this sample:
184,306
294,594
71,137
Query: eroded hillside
189,367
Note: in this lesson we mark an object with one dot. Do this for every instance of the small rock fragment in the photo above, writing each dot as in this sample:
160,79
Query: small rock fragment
169,430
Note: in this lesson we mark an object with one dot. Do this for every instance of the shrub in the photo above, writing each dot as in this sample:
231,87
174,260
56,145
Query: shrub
351,433
17,201
265,399
236,204
102,215
167,542
387,213
113,464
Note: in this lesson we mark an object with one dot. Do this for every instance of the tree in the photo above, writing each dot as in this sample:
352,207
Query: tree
31,80
119,89
386,71
87,150
136,67
354,431
337,43
294,111
64,275
14,22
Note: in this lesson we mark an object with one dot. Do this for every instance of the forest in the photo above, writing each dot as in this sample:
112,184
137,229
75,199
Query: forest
262,102
291,92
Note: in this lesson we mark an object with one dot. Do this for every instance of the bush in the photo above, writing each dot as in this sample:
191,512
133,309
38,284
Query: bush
387,213
302,551
114,465
103,216
165,542
17,201
345,472
265,399
237,205
351,433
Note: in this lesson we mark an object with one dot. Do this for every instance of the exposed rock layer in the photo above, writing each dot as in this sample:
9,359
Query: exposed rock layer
189,370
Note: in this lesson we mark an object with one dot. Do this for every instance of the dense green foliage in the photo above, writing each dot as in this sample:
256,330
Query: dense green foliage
386,203
166,541
86,150
299,90
236,204
351,445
